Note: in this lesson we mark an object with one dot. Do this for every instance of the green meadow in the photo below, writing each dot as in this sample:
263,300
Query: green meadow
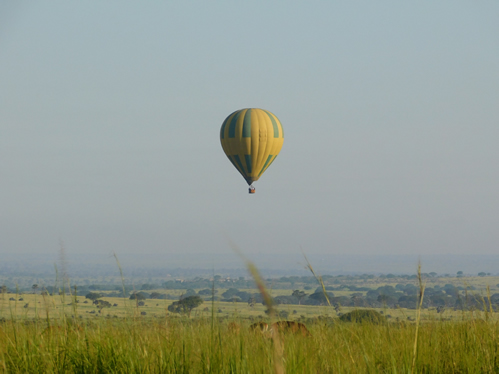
67,333
142,344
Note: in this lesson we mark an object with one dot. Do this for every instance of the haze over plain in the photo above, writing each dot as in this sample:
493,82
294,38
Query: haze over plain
110,115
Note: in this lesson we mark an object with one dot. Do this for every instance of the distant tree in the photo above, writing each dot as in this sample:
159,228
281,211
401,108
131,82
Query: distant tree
206,292
185,305
231,292
437,300
93,295
189,292
34,288
148,286
386,299
408,301
482,274
450,289
459,274
284,299
357,299
299,295
251,302
137,296
372,294
3,289
321,297
387,290
155,295
410,289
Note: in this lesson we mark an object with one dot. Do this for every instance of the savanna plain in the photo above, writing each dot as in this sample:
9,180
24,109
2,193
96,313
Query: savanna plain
421,323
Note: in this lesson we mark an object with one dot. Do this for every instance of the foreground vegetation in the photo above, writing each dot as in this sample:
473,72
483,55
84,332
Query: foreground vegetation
212,345
361,328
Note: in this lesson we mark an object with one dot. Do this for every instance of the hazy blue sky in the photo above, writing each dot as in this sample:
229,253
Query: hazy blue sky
110,115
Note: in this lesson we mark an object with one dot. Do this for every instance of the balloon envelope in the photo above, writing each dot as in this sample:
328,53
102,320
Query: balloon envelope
251,139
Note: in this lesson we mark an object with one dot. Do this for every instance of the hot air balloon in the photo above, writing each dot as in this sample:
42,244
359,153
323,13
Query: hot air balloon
251,139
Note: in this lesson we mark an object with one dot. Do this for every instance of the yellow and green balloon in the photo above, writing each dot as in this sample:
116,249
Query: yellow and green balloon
251,139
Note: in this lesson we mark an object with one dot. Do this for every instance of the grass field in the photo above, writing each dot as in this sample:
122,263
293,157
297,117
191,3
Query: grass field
31,306
141,344
45,334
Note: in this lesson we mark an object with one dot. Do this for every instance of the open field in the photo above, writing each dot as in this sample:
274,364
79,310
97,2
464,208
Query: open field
63,332
45,334
30,306
39,304
207,345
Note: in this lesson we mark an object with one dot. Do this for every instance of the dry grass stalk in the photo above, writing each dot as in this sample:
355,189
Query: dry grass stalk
318,278
276,338
418,317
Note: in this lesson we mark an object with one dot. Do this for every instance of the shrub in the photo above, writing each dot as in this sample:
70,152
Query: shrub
93,295
283,314
363,315
102,303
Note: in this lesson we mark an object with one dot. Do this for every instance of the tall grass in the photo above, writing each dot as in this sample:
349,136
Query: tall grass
205,344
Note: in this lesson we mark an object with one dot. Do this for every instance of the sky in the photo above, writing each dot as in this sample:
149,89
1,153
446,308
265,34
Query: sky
110,115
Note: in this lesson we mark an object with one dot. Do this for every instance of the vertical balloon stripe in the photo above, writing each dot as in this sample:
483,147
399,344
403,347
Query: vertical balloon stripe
274,124
270,163
265,165
235,165
233,123
247,125
239,163
222,130
248,163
